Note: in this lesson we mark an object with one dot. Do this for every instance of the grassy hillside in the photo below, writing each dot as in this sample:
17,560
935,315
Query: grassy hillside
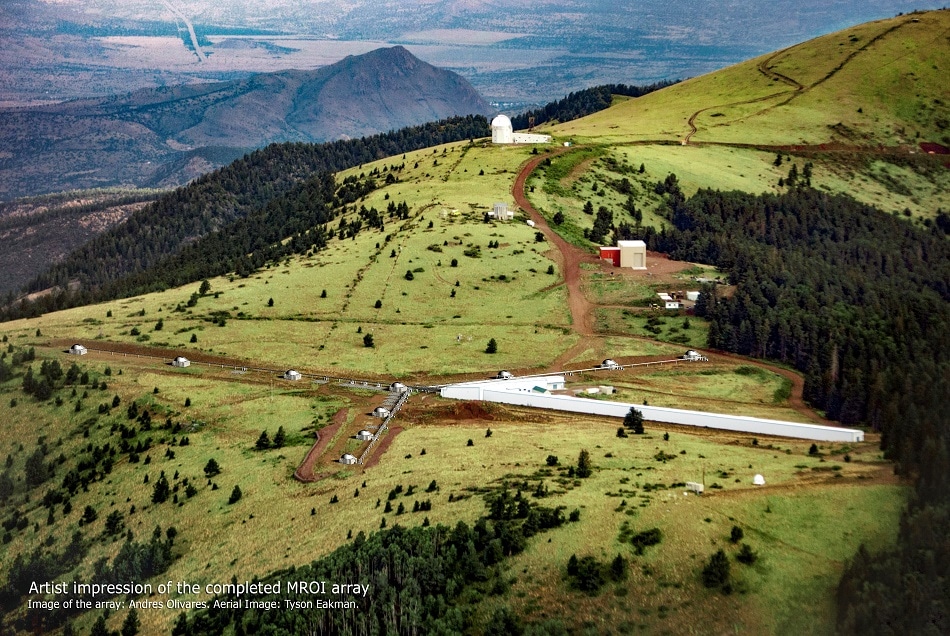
819,506
432,288
856,103
890,69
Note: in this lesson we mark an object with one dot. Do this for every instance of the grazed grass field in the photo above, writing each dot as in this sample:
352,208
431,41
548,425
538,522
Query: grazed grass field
667,576
804,524
872,85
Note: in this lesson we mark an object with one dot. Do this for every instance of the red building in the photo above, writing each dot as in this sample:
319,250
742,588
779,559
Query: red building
611,254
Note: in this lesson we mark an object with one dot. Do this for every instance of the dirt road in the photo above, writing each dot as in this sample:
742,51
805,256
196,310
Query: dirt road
570,257
582,310
304,472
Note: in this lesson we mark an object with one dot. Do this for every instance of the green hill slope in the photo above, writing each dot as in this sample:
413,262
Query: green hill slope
857,104
431,284
878,83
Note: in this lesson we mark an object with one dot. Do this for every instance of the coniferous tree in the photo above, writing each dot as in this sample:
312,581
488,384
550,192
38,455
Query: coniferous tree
212,468
131,624
161,490
584,465
716,571
633,420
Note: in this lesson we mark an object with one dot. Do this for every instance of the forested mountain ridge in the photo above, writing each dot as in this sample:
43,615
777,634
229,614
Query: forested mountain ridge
164,137
218,199
859,302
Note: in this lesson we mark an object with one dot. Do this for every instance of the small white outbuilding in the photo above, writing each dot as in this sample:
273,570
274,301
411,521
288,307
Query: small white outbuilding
348,459
78,350
758,480
292,374
364,435
501,212
181,361
379,411
398,387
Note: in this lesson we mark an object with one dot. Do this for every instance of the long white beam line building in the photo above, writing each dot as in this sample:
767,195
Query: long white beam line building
535,392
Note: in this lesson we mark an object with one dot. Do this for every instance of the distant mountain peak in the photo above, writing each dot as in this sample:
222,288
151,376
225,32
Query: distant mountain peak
150,137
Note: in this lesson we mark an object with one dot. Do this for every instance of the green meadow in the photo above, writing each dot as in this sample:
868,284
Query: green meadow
421,298
873,85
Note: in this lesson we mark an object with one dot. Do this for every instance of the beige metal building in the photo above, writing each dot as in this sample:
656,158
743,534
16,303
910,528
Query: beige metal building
633,254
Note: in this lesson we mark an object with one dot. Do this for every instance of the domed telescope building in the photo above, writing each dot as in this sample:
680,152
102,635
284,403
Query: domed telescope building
503,133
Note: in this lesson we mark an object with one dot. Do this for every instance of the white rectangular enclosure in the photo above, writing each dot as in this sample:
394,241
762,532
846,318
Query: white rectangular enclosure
520,394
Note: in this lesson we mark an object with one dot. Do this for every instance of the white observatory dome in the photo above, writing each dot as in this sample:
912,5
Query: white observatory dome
501,130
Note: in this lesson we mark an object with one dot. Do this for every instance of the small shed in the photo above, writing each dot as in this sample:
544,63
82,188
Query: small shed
78,350
606,389
672,304
633,254
348,459
609,364
504,375
292,374
398,387
501,212
694,356
181,361
364,435
380,411
611,255
758,480
697,488
692,296
530,223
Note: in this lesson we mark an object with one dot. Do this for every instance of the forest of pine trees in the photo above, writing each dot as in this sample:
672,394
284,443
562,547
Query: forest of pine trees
424,580
858,301
262,179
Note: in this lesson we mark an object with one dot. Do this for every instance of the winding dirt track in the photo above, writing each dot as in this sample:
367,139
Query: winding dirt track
797,87
570,256
582,310
304,472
